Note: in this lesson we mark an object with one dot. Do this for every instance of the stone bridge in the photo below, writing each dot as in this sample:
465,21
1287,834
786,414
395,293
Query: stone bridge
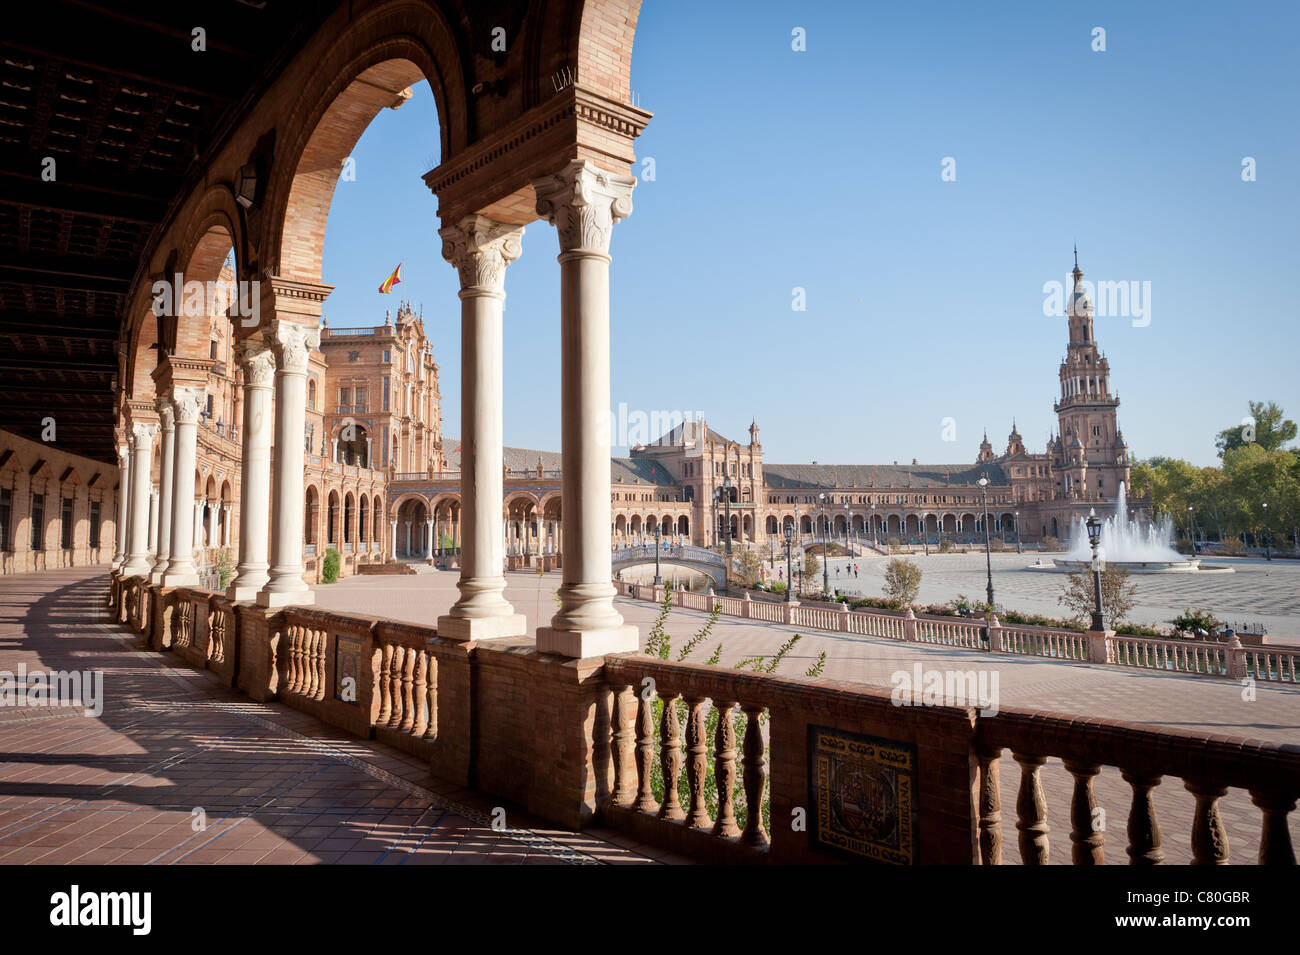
699,559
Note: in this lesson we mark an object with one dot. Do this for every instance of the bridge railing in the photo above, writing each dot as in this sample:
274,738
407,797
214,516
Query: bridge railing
646,552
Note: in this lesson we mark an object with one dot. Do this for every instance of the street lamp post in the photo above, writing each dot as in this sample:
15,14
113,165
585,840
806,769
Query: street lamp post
1191,529
826,543
1016,514
789,578
1268,551
988,560
658,580
925,533
875,531
1094,538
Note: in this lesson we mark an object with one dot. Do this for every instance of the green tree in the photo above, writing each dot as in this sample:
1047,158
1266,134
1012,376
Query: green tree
902,580
1272,429
329,571
1118,594
747,566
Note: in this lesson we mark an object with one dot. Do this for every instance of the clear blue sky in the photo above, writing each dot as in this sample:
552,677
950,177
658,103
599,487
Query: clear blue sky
821,169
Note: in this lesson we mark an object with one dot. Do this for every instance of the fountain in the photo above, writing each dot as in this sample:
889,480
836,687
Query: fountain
1143,548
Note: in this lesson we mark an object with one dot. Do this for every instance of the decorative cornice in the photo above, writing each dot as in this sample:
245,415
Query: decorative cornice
280,287
574,103
480,249
584,201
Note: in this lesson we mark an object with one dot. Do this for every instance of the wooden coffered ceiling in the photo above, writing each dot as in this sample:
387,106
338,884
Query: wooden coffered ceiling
128,111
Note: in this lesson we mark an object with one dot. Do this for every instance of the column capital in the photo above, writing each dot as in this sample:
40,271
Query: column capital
166,414
480,249
143,433
189,404
292,343
123,455
583,202
257,361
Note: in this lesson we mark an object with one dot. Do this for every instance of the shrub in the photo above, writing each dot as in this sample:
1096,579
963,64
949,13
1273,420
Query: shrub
225,567
902,580
1049,543
330,567
1189,621
946,547
997,544
1117,594
1231,547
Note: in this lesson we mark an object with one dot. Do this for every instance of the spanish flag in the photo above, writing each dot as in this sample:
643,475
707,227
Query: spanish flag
392,280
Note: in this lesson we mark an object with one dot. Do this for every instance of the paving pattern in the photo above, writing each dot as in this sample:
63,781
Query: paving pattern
178,770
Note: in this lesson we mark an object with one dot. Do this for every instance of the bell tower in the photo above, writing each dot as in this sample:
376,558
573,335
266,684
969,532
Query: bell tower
1093,456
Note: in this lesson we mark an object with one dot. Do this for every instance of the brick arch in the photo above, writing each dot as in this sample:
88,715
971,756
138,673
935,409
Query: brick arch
381,52
395,505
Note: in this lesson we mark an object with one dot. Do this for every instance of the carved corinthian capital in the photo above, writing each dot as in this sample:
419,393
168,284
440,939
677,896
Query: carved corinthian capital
142,433
584,201
480,248
189,404
258,363
292,342
166,414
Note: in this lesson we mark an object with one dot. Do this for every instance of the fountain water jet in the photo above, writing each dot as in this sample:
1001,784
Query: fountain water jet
1136,546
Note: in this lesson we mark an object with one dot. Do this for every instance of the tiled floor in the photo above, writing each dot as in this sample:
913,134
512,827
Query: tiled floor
180,770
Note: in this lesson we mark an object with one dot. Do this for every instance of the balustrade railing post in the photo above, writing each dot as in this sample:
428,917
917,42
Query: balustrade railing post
408,698
844,617
909,626
990,807
645,752
670,756
724,769
995,633
1275,846
697,768
1143,826
419,694
623,744
1031,811
755,777
431,696
1085,831
385,694
1209,837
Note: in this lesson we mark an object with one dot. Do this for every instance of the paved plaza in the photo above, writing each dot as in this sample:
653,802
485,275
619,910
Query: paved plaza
178,770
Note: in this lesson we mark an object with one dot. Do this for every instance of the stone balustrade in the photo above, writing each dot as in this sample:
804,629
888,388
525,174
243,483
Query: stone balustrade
1189,657
713,763
1208,767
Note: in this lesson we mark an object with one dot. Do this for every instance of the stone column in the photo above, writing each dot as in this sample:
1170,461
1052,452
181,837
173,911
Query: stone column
123,503
429,551
480,249
393,555
258,366
180,570
137,542
291,343
167,415
583,202
153,527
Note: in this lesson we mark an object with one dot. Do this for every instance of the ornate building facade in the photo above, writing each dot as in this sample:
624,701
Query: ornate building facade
381,482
